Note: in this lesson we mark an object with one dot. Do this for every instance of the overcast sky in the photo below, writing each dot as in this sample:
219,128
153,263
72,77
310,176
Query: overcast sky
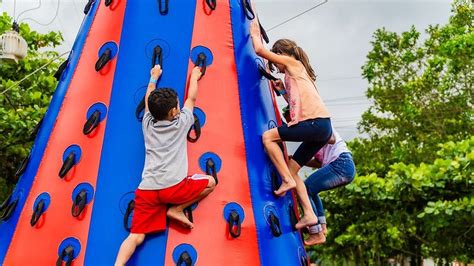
336,37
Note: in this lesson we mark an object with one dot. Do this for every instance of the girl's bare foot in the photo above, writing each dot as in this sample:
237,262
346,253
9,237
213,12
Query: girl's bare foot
306,220
178,215
325,229
285,186
315,239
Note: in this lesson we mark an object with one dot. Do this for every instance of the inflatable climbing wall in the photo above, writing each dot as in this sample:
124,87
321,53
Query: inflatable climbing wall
74,201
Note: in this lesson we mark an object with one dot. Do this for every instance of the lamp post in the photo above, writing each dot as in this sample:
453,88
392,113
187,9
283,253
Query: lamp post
12,46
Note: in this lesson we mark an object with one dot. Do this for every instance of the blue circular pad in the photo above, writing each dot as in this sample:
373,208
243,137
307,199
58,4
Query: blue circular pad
73,148
214,157
89,189
71,241
233,206
178,250
97,106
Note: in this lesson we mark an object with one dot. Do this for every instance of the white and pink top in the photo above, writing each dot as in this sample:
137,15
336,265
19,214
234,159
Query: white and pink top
330,152
303,98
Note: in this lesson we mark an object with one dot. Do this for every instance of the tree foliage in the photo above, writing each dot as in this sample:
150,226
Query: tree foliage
22,106
424,210
422,92
413,196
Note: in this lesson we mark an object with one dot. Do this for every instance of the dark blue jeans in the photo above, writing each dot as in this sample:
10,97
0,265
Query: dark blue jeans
338,173
314,134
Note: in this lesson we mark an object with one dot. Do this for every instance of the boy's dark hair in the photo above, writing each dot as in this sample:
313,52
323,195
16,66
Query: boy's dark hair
161,101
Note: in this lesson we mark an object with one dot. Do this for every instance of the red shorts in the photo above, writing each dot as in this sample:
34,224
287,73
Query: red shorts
149,214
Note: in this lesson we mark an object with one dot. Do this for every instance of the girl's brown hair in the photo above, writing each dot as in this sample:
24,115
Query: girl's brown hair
289,47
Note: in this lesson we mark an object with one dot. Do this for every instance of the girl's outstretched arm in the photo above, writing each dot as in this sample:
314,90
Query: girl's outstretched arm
288,61
279,86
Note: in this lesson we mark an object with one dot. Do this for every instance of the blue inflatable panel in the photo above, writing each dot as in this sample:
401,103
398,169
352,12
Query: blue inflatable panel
123,151
257,112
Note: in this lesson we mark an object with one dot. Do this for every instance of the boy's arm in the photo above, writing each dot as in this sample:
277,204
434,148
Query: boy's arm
193,88
155,74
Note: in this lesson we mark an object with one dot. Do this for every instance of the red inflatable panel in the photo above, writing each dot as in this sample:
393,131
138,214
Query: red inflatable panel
87,87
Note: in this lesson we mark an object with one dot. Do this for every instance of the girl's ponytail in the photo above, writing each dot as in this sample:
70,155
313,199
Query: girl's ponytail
301,56
289,47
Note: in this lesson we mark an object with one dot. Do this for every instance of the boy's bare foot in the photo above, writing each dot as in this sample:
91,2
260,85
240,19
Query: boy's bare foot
306,220
178,215
285,186
315,239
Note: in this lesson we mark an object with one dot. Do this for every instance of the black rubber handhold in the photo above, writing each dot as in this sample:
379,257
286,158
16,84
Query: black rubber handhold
197,130
276,183
23,166
233,221
61,69
7,208
248,11
39,210
4,204
201,61
68,252
36,130
108,2
268,76
264,73
103,59
189,213
157,58
128,212
293,219
88,6
263,32
91,123
184,258
79,203
163,11
140,108
304,261
211,4
274,224
67,164
211,169
282,147
16,27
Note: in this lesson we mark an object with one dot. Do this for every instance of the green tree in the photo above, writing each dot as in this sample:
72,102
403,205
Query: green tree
415,211
411,199
23,106
422,92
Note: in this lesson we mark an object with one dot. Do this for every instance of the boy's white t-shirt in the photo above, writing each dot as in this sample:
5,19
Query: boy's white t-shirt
330,152
166,160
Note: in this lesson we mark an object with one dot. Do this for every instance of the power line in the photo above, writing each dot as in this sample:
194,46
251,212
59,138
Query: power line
349,104
65,37
31,9
296,16
50,22
352,98
76,8
14,9
32,73
338,78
